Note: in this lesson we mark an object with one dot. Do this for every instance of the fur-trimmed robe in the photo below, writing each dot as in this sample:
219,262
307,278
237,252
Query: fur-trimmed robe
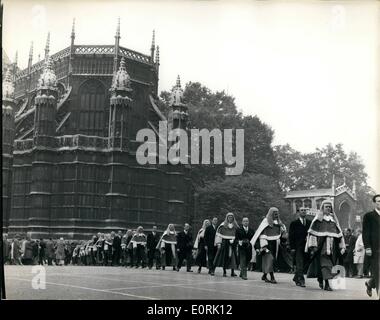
325,237
168,242
226,255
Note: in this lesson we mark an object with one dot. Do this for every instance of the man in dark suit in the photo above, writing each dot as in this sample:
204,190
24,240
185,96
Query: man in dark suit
243,236
210,244
297,241
116,245
153,253
371,241
184,247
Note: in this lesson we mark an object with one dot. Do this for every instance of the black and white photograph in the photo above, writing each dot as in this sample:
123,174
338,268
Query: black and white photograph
190,151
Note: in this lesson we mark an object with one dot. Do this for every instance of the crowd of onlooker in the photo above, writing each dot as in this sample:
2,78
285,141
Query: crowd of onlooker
356,262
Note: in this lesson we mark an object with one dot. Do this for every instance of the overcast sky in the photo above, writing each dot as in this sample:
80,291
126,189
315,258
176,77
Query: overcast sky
308,69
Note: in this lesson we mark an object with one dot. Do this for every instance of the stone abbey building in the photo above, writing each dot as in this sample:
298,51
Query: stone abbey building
69,148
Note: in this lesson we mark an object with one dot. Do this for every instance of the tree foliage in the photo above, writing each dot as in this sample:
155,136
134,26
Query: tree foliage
315,170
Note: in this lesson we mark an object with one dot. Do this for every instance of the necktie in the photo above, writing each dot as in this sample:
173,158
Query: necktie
303,221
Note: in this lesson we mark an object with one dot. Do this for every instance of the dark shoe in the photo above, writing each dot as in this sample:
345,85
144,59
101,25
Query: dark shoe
272,281
320,284
199,270
327,287
233,274
212,273
163,268
302,285
298,284
368,289
264,278
189,270
244,278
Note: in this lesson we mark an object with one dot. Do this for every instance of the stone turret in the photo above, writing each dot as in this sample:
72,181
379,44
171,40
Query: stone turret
46,102
8,134
120,102
178,114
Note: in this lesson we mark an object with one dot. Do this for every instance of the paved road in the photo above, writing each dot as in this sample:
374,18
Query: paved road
113,283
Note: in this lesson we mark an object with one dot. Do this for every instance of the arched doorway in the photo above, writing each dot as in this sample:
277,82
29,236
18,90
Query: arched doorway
343,214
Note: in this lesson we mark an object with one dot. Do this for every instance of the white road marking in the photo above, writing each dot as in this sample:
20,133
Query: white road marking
86,288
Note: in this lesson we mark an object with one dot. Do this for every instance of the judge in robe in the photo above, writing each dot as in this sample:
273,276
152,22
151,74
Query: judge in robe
297,240
124,250
129,249
326,245
371,241
226,255
243,237
153,253
268,235
100,249
168,247
138,244
200,246
210,246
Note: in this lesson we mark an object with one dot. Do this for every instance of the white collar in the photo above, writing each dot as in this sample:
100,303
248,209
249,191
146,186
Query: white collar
378,212
328,218
245,228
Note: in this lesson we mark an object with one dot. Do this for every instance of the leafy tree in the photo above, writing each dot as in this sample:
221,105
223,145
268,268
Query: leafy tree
315,170
250,195
289,162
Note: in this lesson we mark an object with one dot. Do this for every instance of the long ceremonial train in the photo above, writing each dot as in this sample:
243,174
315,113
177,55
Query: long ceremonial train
69,130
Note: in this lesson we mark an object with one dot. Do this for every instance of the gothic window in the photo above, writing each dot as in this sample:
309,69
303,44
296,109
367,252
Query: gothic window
298,204
319,202
92,108
307,203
